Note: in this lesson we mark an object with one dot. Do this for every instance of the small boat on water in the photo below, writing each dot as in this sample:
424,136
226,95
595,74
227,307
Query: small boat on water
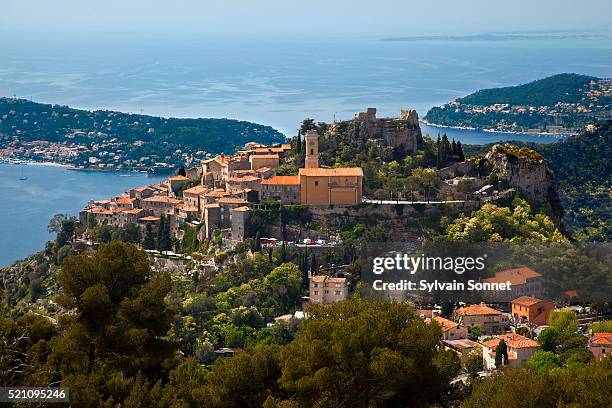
23,178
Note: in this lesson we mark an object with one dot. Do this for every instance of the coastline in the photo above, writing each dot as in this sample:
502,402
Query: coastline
509,132
71,167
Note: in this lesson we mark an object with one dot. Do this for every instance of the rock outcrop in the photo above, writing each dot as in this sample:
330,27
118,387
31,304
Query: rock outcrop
401,133
524,170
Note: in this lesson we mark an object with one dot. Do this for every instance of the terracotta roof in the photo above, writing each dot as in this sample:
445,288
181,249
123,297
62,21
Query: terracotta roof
265,156
149,218
242,209
526,301
231,200
187,208
263,169
216,193
444,323
513,340
199,189
426,313
516,276
477,310
272,149
99,210
141,189
282,180
162,199
123,199
134,211
601,339
178,178
244,179
213,205
338,171
325,278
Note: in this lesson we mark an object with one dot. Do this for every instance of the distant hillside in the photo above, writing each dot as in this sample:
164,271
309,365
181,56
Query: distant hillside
583,169
560,103
132,136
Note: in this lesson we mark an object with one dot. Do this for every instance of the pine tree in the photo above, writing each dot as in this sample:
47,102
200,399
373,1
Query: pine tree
454,148
438,152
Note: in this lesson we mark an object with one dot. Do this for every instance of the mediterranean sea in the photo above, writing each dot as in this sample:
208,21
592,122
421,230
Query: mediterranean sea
277,83
27,205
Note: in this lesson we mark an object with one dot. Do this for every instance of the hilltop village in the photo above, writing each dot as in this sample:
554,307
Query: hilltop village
231,268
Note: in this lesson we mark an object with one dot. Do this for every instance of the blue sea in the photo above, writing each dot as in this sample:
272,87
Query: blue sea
275,83
27,205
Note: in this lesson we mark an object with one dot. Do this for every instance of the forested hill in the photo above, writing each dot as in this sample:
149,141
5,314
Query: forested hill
583,170
561,103
135,135
564,88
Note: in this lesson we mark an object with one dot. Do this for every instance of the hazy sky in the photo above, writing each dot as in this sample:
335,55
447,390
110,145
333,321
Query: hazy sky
296,18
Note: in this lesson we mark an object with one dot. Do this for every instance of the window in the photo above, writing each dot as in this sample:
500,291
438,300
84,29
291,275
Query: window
326,292
316,183
338,293
316,292
311,152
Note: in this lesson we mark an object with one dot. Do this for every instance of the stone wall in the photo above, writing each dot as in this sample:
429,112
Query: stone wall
401,132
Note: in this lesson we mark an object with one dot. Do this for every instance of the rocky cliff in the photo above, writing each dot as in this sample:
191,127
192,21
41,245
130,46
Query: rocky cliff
524,170
365,128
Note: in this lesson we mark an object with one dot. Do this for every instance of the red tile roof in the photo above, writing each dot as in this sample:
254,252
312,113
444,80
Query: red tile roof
601,339
513,340
516,276
282,180
526,301
339,171
477,310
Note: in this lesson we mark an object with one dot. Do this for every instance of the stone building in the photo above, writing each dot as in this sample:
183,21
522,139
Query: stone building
239,218
285,189
326,289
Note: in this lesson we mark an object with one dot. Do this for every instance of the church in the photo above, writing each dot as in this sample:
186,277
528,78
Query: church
315,185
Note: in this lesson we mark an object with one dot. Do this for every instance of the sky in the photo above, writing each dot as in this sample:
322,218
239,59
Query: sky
308,19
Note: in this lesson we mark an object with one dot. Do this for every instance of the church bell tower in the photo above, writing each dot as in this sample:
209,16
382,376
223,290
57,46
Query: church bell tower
312,149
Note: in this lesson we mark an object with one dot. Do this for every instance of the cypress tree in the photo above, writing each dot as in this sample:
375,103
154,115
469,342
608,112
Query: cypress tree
501,354
160,231
460,151
149,238
314,267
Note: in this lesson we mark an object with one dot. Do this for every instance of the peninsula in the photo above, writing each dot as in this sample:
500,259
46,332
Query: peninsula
559,104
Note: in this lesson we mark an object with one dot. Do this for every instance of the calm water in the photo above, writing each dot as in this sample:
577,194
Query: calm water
281,83
27,205
278,84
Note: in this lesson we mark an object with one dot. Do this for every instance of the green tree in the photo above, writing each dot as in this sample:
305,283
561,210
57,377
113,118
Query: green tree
501,354
164,238
121,315
149,237
544,361
475,332
549,339
363,353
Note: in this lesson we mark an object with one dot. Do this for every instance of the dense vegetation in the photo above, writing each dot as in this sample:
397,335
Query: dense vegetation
131,135
566,100
583,169
565,88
